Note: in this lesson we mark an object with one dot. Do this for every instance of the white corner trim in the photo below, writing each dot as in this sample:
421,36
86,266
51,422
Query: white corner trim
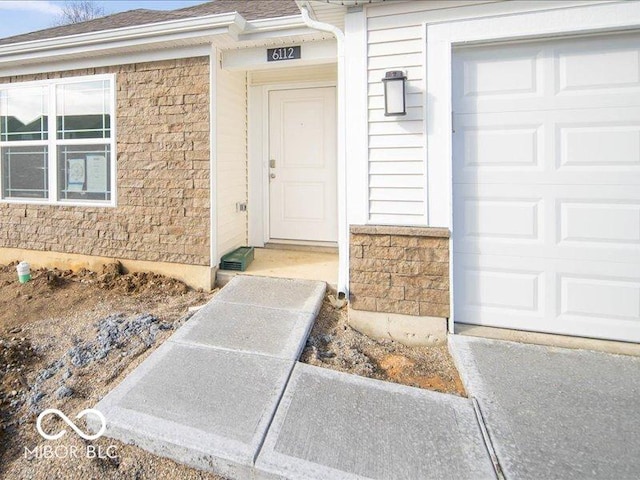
357,155
441,37
213,165
255,165
425,129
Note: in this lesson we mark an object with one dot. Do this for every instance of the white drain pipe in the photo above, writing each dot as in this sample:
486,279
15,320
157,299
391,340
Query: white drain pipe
343,227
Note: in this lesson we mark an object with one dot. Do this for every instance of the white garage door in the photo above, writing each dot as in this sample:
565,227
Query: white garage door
546,232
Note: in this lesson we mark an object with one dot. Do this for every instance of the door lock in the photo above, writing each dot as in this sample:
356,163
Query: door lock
272,163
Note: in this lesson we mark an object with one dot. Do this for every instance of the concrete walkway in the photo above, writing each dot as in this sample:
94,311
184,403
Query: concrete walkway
333,425
226,394
555,413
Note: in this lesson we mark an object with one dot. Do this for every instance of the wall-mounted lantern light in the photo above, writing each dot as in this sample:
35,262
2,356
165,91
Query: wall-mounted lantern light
395,93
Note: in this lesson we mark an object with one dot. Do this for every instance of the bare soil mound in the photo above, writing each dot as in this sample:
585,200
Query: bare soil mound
334,344
66,339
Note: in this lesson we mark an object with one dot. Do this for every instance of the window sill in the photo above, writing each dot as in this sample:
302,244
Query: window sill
22,201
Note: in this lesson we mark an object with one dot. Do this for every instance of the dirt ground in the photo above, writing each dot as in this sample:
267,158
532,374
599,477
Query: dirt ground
334,344
67,339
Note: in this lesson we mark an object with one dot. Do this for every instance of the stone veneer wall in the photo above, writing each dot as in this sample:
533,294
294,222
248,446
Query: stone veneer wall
162,214
403,270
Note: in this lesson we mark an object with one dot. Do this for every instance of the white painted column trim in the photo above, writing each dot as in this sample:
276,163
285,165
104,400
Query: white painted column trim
357,151
255,165
213,164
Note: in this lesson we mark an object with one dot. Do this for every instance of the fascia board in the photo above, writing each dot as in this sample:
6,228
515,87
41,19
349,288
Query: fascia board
278,23
187,27
123,46
198,30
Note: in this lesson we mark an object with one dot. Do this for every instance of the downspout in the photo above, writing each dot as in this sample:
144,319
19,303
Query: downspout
343,227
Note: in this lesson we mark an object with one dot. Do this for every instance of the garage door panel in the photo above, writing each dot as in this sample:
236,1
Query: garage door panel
605,328
565,178
595,223
603,144
500,284
558,102
548,75
573,222
599,298
590,65
501,218
496,217
488,288
495,147
516,72
580,146
603,222
589,298
546,181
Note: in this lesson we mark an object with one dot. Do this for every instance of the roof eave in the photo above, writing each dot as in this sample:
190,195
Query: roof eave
196,30
132,33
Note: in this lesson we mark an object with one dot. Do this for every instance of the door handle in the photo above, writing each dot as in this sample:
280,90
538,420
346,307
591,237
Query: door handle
273,175
272,163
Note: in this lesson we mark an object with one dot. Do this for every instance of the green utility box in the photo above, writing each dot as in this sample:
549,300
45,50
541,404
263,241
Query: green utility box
238,260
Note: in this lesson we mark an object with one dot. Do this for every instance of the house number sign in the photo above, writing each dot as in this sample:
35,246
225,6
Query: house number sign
283,53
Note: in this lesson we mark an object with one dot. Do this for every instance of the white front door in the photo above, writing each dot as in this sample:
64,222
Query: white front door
302,165
546,231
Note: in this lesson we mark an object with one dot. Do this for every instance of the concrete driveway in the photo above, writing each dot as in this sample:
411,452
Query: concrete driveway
555,413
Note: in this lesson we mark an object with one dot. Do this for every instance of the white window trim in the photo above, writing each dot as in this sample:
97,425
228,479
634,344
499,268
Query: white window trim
52,143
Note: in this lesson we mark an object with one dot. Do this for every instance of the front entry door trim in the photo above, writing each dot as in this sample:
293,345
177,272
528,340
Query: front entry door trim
302,165
258,151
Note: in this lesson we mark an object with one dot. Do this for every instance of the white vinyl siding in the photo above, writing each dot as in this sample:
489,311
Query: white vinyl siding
231,154
397,172
397,181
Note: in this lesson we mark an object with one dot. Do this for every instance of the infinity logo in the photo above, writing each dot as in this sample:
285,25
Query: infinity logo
54,411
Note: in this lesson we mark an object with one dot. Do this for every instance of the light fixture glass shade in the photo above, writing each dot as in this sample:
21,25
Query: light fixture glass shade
394,93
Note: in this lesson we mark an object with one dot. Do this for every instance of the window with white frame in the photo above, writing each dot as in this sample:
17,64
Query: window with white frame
57,141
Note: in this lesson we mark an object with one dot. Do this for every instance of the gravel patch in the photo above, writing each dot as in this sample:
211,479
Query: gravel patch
66,339
115,332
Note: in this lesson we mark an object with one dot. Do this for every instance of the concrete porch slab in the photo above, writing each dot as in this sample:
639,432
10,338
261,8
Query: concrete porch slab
303,296
288,263
248,328
204,407
335,425
553,412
